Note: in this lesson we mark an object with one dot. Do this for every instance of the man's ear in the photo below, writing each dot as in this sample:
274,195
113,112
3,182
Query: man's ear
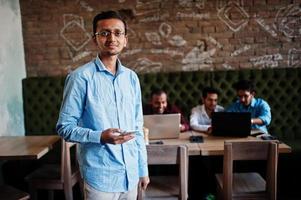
126,41
202,100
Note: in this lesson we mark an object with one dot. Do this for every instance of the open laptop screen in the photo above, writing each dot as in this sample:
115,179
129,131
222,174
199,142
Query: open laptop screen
163,126
236,124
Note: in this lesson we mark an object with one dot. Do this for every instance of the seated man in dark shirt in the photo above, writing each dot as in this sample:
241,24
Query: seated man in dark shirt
159,105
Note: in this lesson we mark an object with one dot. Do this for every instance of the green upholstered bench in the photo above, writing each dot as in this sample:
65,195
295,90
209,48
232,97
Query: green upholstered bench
280,87
42,97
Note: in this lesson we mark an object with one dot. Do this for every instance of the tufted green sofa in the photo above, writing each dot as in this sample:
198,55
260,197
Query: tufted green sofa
280,87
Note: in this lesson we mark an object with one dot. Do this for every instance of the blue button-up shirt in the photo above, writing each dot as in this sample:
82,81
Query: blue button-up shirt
258,109
95,100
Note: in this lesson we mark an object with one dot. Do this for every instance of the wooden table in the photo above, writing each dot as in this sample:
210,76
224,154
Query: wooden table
212,145
26,147
20,148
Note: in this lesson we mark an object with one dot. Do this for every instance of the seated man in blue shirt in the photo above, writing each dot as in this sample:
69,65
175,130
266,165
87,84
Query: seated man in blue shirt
259,109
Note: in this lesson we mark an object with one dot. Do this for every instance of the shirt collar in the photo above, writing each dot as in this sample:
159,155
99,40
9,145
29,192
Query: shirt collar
251,105
253,102
101,67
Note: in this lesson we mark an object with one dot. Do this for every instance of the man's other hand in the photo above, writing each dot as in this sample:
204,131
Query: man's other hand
143,182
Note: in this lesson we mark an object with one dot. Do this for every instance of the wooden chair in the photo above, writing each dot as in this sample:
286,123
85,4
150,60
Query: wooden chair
55,177
167,186
10,193
250,185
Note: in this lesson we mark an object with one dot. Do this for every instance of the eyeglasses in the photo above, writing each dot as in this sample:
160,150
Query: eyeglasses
107,33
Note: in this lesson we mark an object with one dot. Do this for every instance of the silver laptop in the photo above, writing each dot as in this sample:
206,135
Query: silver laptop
163,126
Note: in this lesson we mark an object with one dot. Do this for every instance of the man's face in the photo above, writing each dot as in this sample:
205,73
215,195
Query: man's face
159,103
110,37
245,97
210,101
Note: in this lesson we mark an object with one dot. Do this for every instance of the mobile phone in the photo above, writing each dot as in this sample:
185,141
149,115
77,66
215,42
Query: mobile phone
129,132
196,139
268,137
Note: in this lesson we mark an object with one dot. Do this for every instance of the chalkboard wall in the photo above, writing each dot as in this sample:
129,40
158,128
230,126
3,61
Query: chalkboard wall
166,35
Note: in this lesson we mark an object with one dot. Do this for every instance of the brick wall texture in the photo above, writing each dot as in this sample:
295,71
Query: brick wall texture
165,35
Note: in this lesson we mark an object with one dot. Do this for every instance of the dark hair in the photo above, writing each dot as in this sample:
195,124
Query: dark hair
244,85
157,91
108,15
209,90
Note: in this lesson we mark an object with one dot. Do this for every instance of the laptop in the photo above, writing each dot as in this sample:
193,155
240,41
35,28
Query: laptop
235,124
163,126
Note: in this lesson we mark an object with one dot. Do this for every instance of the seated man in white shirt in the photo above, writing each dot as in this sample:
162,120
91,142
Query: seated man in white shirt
200,118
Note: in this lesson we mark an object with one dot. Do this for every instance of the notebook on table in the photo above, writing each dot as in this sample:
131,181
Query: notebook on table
163,126
235,124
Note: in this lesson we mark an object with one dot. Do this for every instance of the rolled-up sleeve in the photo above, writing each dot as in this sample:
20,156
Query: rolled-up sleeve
265,113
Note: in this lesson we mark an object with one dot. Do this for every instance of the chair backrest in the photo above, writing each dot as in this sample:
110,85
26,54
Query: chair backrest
251,150
69,171
175,155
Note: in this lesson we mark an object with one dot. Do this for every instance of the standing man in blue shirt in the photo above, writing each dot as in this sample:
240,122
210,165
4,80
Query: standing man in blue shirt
102,99
259,108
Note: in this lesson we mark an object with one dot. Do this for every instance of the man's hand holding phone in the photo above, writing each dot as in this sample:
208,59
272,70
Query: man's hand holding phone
116,136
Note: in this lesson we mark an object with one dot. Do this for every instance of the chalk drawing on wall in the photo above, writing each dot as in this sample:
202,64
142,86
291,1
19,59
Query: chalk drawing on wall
267,60
214,42
165,30
79,56
158,16
222,3
73,18
130,52
145,65
227,66
265,26
198,58
131,33
75,24
240,50
169,52
192,3
85,5
288,20
193,15
146,4
294,57
177,41
225,12
149,11
153,37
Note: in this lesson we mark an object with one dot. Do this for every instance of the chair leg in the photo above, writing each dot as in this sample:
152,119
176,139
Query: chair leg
68,192
81,187
50,194
32,192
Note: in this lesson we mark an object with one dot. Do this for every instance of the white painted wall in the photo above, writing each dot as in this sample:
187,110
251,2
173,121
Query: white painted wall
12,69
